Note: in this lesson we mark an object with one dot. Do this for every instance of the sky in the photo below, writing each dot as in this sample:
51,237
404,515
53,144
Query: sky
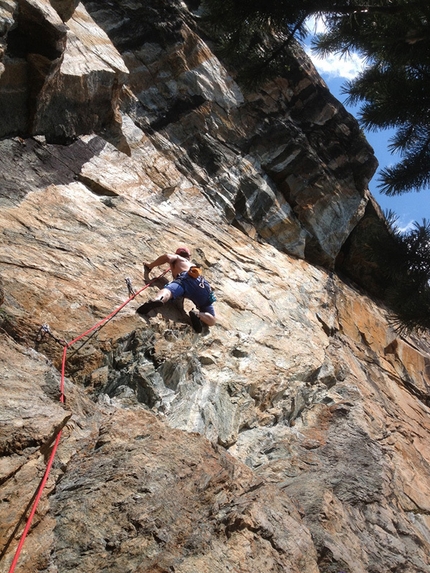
409,207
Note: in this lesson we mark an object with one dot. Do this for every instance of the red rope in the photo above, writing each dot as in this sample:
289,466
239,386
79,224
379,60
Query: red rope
112,314
36,503
57,439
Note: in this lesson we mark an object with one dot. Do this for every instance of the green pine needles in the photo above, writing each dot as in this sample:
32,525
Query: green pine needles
393,36
254,36
403,259
394,88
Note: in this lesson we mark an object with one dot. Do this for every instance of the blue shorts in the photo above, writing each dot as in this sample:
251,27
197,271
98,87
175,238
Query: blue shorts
195,290
210,309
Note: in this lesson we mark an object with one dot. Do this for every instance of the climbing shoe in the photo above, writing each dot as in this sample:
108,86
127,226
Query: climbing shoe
195,321
147,306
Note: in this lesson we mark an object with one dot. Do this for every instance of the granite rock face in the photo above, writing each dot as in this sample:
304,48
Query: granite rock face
293,435
61,77
286,164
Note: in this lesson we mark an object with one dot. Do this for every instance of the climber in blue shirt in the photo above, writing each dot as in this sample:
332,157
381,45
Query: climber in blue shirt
188,283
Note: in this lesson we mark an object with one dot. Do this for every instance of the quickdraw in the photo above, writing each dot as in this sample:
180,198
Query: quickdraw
45,329
131,290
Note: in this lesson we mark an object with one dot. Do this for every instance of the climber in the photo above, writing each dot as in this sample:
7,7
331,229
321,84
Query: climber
187,282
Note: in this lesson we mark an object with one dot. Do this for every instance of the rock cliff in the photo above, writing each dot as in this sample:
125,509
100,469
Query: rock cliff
293,435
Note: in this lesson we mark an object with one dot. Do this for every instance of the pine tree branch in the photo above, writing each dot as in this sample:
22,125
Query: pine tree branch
363,9
285,44
345,10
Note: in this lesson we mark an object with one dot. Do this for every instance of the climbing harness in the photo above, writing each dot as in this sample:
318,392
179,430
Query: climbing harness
192,285
45,330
